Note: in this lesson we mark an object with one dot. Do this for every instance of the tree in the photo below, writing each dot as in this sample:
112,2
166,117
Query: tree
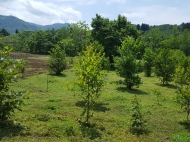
145,27
9,100
111,33
91,79
182,73
57,61
185,42
78,33
16,31
22,66
165,64
183,97
148,59
126,64
182,79
3,32
137,121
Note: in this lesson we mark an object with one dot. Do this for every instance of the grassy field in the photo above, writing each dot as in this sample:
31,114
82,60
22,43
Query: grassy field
51,113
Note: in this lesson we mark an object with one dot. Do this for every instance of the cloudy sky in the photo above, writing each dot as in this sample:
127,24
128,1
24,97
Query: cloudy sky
44,12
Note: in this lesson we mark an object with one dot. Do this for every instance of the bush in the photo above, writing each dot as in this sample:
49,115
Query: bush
57,61
9,100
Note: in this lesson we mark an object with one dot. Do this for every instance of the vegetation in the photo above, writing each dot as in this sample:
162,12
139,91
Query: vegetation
57,61
162,50
126,65
9,100
91,79
137,121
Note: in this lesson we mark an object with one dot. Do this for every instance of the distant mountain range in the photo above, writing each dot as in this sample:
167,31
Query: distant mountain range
11,24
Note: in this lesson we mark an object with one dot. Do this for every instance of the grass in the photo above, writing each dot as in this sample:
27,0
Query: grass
54,114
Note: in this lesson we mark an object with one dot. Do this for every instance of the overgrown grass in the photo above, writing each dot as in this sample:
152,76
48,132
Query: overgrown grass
54,114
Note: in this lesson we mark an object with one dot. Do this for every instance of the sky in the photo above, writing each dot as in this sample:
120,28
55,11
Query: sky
45,12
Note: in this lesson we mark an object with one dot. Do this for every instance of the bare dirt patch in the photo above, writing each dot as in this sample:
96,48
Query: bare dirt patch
37,64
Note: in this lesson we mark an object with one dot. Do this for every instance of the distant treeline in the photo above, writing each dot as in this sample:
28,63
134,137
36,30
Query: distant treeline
108,33
145,27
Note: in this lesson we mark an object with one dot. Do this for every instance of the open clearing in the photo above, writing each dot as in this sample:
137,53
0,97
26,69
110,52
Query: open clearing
52,112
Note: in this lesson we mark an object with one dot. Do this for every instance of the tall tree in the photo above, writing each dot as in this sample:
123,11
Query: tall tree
111,33
78,34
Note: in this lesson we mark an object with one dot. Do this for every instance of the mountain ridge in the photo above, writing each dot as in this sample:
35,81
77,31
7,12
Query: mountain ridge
12,23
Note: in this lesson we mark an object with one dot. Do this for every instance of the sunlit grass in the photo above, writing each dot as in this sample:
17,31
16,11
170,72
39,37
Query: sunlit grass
52,112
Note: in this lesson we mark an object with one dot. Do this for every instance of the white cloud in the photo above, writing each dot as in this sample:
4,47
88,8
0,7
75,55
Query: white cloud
156,15
39,12
115,1
79,2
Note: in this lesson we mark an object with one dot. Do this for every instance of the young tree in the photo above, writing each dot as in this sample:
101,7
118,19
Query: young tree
183,97
165,64
57,61
137,121
9,100
22,66
91,79
182,73
126,65
148,59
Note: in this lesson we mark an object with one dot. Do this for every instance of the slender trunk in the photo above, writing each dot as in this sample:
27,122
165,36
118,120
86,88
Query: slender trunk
88,105
188,111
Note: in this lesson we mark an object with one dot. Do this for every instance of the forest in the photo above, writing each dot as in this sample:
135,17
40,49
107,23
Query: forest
131,83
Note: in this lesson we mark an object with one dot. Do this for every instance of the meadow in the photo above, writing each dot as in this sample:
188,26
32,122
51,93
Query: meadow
52,112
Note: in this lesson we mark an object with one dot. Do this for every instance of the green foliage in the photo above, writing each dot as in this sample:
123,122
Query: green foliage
185,42
111,33
22,65
148,59
183,98
182,76
79,36
137,121
99,48
159,96
57,61
126,65
165,64
91,79
9,100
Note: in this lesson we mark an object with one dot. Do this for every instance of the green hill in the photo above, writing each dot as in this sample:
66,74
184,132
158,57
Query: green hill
11,24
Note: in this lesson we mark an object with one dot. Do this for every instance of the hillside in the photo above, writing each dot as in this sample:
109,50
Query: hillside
11,23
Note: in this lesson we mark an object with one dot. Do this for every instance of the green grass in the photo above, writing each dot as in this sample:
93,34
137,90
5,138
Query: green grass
53,114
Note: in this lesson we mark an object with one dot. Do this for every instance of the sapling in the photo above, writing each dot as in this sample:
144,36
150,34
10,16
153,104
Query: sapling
137,121
91,78
158,95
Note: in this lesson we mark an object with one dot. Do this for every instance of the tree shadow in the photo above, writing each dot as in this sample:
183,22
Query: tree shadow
131,91
170,86
60,75
140,132
91,131
99,107
186,124
9,129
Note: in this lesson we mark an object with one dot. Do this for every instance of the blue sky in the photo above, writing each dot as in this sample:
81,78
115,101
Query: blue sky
44,12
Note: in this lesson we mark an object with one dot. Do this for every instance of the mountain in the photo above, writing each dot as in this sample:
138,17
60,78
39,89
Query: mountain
11,24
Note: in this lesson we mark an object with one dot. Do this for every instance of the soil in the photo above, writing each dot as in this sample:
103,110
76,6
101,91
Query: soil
36,64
